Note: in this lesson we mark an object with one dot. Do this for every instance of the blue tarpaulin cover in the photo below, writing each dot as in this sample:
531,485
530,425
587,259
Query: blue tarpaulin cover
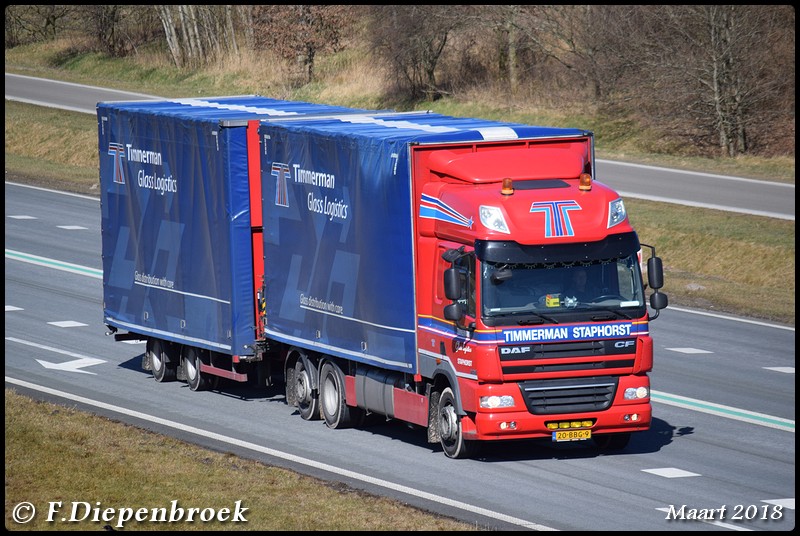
177,255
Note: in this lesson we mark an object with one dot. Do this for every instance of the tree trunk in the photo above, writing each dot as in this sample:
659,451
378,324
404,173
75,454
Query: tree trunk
230,33
167,22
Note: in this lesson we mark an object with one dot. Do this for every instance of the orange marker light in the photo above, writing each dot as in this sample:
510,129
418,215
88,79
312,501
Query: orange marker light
585,182
508,186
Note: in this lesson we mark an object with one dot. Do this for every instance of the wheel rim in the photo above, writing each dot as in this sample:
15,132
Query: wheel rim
303,386
448,423
156,359
330,396
191,368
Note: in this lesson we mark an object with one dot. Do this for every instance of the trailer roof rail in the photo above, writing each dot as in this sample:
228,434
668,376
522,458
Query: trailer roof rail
344,115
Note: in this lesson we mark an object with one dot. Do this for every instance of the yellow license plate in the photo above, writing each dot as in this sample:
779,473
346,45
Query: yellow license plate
572,435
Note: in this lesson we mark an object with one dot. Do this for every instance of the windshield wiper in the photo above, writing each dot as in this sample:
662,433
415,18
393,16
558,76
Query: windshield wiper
540,319
613,314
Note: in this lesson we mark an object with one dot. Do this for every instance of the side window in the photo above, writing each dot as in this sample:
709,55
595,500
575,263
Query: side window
438,277
466,265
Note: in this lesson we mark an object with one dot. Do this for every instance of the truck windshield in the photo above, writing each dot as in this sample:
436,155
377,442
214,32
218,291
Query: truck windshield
611,288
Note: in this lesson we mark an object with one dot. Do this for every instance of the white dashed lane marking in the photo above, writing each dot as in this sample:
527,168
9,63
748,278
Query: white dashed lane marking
787,370
67,324
670,472
688,350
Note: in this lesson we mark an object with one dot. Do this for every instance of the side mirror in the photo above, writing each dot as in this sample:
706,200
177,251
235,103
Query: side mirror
454,312
452,284
658,301
655,273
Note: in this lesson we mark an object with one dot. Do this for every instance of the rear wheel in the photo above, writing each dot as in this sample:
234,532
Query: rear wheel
450,433
291,393
307,399
192,359
164,370
333,398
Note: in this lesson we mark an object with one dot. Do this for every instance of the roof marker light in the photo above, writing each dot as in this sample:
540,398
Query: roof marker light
508,186
585,183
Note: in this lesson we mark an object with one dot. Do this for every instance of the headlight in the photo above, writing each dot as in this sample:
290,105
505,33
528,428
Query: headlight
636,393
616,213
493,402
492,218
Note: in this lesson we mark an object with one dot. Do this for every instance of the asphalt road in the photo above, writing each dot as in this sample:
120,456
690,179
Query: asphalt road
737,194
723,397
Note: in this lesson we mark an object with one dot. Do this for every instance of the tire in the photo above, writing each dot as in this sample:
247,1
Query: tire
291,393
164,370
449,423
304,392
333,398
612,441
192,359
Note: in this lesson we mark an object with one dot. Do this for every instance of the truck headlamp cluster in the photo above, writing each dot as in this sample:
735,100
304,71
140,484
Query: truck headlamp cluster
616,213
636,393
492,218
493,402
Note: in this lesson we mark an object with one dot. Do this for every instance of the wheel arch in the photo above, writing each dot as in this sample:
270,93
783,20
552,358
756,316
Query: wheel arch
311,361
443,378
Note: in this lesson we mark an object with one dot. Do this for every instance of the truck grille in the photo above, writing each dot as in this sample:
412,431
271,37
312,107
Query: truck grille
546,397
571,356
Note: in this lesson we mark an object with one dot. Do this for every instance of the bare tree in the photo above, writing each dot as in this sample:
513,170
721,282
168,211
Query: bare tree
503,21
104,22
245,13
197,35
171,34
711,70
29,23
412,38
301,32
580,38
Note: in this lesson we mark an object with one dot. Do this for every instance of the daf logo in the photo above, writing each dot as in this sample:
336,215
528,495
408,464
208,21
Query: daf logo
505,350
624,344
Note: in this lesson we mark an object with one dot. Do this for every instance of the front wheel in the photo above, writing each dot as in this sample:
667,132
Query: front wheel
450,433
291,393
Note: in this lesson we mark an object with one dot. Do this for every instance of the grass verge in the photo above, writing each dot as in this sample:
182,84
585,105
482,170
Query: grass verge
108,464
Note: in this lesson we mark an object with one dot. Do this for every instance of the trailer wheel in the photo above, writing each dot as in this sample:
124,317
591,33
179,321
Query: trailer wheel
451,438
307,399
163,369
192,359
335,411
612,441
